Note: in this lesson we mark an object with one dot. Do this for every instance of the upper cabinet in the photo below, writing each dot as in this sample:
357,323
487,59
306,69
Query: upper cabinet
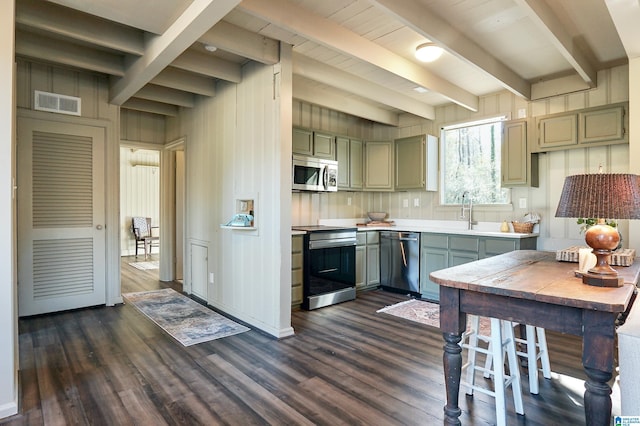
604,125
349,153
324,146
315,144
378,166
601,125
416,163
302,142
519,166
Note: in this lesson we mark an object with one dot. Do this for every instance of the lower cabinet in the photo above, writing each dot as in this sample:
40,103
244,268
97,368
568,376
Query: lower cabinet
296,271
367,260
440,251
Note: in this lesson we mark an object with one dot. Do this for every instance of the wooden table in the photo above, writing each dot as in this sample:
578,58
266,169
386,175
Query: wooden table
531,287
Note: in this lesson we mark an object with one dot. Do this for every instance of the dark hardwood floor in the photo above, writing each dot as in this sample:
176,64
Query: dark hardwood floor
346,364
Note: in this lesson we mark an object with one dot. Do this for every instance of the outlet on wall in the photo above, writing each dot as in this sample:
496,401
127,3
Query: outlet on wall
405,203
522,203
211,277
416,202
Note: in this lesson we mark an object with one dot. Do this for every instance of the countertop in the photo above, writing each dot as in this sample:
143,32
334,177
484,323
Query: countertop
486,229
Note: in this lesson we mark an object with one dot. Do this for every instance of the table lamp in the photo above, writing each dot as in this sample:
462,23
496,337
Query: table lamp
601,196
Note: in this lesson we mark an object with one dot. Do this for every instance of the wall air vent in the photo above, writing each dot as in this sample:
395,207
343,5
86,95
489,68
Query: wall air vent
53,102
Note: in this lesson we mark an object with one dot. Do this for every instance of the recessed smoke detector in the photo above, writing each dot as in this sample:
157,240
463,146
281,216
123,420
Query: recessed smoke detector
210,48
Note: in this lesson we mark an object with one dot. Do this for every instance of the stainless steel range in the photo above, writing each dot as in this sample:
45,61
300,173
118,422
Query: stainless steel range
329,258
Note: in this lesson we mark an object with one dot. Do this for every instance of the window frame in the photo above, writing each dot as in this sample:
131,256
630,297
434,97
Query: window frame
501,118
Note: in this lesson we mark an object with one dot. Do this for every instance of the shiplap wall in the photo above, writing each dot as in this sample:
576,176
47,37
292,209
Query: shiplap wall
236,149
613,87
139,193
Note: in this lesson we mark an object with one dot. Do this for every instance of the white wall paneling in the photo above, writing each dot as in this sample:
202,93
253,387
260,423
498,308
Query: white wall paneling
235,150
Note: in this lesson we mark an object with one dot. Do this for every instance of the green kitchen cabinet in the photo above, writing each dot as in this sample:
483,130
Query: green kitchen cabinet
302,142
313,144
349,153
519,165
378,166
324,146
597,126
416,163
296,271
434,255
440,251
367,260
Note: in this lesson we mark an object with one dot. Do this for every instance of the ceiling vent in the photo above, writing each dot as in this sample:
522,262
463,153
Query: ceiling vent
53,102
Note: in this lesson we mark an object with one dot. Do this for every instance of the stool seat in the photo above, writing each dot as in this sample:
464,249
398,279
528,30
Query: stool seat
501,341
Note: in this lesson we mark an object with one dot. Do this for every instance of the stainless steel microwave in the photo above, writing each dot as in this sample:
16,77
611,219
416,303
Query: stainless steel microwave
314,174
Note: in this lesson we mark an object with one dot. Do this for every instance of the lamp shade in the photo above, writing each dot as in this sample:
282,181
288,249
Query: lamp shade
600,196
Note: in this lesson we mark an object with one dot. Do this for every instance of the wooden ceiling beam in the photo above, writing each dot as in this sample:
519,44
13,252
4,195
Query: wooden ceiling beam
151,92
60,52
318,71
231,38
151,106
547,21
427,23
209,65
161,50
336,100
185,81
66,22
301,21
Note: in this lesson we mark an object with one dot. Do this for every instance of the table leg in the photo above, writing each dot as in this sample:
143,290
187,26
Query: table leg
452,361
597,397
598,350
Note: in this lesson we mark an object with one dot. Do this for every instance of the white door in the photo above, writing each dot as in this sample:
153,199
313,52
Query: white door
61,217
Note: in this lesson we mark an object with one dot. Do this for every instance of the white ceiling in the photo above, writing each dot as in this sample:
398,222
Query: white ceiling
350,55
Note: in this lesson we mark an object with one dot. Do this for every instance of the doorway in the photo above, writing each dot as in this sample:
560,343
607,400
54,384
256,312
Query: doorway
139,197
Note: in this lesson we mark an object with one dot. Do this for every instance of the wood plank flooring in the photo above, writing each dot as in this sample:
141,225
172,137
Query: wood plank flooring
346,364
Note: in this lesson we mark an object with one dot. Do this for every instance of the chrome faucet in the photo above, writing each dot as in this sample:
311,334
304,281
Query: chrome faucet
469,209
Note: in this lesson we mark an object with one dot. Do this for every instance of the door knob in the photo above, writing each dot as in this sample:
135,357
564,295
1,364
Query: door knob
99,227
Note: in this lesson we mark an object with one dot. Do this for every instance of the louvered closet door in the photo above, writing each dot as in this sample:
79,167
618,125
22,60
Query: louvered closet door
61,235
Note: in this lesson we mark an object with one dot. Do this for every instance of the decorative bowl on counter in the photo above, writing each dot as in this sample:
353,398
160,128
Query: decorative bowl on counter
377,216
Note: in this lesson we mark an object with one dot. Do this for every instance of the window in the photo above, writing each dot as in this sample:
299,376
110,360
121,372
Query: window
471,162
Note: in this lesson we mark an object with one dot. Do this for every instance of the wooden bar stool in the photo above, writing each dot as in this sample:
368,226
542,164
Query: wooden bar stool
500,342
536,349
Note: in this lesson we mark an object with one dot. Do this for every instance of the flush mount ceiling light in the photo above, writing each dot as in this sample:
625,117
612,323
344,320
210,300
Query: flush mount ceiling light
210,48
420,89
428,52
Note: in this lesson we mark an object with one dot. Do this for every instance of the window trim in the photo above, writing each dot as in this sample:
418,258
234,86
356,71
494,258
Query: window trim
460,125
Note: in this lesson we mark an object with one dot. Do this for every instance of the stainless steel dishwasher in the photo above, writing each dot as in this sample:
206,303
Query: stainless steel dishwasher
400,262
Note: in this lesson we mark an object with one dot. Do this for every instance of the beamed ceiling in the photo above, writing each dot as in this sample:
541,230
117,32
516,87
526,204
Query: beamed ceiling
354,56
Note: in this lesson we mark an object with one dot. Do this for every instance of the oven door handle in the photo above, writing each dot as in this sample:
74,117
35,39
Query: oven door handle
332,243
326,271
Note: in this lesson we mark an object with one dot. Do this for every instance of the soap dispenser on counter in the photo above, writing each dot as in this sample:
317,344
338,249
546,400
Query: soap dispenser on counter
504,227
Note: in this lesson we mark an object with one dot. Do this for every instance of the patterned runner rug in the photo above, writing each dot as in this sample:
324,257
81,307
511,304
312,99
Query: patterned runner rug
185,320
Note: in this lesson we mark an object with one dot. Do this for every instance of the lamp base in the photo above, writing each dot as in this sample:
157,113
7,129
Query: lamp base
602,280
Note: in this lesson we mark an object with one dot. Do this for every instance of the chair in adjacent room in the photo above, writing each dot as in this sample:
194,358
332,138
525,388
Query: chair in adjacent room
143,233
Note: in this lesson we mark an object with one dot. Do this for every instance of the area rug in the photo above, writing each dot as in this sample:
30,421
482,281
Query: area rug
145,266
425,313
184,319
